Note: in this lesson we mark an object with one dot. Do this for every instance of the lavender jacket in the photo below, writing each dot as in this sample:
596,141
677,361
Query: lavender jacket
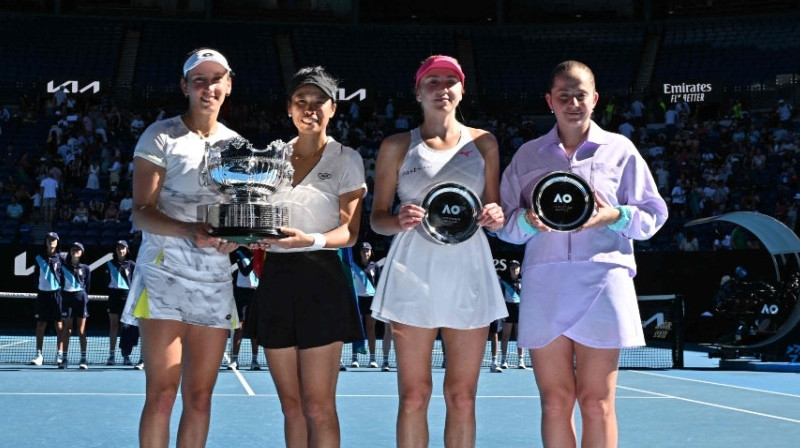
614,168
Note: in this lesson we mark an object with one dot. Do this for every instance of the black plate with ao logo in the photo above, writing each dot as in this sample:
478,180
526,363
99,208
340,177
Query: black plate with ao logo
452,213
563,201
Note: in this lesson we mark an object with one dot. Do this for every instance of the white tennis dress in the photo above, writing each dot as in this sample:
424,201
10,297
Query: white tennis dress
174,279
428,284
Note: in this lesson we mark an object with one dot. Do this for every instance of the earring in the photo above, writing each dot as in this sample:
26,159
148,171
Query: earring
290,115
552,111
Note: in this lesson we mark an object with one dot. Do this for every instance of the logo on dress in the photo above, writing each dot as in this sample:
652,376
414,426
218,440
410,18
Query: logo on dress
324,176
466,153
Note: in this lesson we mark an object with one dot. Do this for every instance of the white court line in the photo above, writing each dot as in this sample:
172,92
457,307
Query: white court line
713,405
239,375
72,394
103,394
13,344
752,389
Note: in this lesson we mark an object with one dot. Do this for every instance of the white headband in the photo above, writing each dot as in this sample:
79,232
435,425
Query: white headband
205,55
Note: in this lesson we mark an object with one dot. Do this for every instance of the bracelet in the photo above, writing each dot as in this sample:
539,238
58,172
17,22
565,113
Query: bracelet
526,225
319,241
624,218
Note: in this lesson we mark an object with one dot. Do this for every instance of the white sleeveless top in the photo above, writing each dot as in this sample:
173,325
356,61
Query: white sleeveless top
428,284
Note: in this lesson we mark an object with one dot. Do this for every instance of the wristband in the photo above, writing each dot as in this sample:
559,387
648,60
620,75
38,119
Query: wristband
525,225
624,218
319,241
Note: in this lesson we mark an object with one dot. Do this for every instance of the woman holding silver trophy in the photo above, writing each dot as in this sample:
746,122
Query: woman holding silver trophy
439,272
304,306
578,197
181,295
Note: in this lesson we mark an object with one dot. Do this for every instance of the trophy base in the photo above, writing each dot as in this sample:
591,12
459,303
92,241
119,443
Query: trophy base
245,223
246,235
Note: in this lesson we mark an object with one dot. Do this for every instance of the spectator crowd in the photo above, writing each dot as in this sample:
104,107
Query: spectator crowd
68,158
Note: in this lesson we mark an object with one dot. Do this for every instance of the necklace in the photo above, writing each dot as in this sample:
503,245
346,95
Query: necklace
313,155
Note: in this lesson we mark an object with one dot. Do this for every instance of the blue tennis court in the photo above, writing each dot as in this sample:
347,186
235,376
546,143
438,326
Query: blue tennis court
699,406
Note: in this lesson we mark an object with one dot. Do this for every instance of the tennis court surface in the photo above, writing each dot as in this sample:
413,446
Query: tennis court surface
698,406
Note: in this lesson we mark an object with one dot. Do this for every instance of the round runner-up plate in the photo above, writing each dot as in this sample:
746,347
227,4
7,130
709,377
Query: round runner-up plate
563,201
451,214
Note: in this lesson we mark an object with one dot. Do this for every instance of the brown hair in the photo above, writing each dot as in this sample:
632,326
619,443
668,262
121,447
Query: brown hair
565,67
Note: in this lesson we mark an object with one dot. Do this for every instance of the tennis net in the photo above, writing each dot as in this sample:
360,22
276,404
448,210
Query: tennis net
662,322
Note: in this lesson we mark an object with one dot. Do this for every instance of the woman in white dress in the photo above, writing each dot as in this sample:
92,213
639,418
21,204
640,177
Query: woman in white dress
426,286
181,295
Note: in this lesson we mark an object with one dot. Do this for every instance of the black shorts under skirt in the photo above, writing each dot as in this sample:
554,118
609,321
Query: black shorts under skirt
304,300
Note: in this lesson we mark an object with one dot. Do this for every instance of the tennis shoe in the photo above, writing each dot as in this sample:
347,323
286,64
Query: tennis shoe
63,364
139,365
495,369
38,360
233,365
504,365
373,364
59,358
126,361
354,364
522,365
386,367
342,367
83,365
111,361
255,365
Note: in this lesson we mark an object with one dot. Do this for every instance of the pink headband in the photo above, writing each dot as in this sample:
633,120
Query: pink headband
439,62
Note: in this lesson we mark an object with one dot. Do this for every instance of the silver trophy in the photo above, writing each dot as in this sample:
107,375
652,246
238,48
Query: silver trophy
246,177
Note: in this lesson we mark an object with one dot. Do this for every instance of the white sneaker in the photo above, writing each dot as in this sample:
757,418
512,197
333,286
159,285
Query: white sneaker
386,367
255,365
59,359
83,364
38,360
522,365
354,364
373,364
233,365
504,365
111,361
139,365
126,361
495,369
